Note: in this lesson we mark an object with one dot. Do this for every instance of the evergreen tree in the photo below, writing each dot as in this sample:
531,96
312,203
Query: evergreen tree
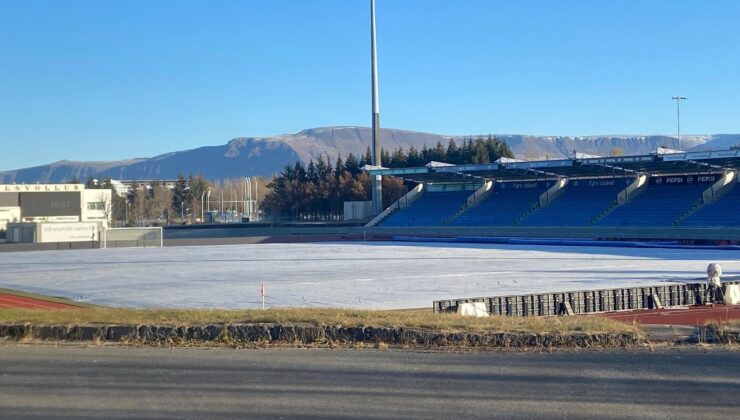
481,152
414,157
439,153
426,155
312,174
338,166
368,157
397,160
182,196
321,168
300,172
454,154
468,151
351,165
385,157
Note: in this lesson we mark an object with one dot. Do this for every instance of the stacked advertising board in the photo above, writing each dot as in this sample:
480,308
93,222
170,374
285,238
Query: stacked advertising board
50,204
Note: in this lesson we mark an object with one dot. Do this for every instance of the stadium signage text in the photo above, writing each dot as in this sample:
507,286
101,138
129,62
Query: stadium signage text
600,183
41,187
68,232
630,159
520,185
685,179
539,164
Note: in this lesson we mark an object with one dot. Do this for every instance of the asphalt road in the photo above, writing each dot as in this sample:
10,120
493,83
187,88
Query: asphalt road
51,382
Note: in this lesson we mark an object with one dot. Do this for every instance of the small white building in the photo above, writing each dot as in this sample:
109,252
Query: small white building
56,203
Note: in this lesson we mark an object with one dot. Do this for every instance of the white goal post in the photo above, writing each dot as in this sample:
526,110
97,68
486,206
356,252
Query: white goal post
132,237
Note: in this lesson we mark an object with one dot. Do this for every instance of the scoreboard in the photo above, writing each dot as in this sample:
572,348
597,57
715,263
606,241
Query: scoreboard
50,204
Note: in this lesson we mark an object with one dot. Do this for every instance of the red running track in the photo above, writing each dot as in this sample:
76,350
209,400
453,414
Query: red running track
22,302
692,315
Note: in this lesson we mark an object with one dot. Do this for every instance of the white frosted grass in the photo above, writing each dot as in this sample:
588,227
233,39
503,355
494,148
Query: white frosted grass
358,275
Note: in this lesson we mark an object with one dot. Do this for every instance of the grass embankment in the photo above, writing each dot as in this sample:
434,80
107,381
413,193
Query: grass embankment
339,317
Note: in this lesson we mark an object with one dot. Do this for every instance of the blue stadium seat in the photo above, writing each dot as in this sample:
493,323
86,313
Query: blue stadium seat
581,202
725,211
508,202
660,204
431,209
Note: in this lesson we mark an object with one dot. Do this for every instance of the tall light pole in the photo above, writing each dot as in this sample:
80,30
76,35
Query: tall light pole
256,197
249,197
208,203
377,180
246,182
202,208
678,100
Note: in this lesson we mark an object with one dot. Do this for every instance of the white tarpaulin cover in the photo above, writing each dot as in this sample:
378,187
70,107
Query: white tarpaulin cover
732,294
477,309
367,275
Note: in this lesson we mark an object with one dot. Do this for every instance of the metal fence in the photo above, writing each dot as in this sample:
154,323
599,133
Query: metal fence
588,301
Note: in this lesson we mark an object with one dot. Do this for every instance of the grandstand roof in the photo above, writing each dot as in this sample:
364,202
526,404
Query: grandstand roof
666,164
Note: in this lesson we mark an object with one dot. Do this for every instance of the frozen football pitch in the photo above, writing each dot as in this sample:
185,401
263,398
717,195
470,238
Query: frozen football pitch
356,275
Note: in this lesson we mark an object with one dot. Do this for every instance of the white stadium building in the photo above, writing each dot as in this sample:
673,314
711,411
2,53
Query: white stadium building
53,212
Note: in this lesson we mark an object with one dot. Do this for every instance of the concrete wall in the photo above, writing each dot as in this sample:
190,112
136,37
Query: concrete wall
676,233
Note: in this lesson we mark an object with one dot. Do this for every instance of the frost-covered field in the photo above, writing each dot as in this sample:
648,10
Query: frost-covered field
360,275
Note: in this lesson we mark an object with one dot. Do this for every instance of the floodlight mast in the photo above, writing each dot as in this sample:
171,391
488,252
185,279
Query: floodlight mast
678,100
377,180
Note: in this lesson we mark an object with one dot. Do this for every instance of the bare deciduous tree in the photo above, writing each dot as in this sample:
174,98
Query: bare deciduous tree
160,204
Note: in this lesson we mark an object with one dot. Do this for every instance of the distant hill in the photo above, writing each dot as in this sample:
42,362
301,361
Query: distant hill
249,156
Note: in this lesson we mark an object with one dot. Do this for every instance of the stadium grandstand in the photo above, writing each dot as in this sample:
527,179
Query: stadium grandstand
675,189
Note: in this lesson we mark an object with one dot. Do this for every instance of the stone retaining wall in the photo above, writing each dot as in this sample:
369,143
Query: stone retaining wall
267,334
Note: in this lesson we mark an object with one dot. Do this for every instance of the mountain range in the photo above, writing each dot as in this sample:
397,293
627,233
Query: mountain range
264,156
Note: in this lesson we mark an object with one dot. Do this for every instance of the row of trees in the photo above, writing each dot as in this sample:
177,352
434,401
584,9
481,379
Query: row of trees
471,150
317,191
157,202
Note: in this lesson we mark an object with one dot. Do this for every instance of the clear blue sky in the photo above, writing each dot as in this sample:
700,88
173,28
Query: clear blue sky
100,80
